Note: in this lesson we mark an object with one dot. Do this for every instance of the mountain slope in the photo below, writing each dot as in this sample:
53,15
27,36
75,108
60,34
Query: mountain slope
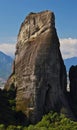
5,65
70,61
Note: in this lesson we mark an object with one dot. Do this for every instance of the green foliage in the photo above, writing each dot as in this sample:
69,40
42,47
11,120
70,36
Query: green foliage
8,108
25,128
19,127
2,127
52,121
17,121
6,113
11,127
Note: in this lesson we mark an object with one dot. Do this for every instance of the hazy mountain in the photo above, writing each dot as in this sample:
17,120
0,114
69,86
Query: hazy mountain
70,61
5,65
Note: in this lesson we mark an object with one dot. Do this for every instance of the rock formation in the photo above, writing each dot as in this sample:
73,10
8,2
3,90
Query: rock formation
73,81
40,73
73,89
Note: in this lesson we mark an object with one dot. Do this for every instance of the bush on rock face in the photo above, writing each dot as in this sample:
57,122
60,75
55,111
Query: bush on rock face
52,121
11,127
2,127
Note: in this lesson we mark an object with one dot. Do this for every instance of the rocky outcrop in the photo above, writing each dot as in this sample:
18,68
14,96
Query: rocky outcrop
73,88
73,81
40,73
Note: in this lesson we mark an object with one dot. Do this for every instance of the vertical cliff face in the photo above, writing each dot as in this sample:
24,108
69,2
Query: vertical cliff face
39,69
73,80
73,89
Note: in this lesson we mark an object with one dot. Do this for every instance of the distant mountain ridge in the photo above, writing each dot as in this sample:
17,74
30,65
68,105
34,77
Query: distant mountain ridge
69,62
5,65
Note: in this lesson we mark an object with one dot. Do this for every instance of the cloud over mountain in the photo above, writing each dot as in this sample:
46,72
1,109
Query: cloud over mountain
68,47
8,48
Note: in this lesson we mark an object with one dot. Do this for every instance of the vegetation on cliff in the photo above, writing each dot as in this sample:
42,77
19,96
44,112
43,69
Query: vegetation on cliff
8,113
10,119
52,121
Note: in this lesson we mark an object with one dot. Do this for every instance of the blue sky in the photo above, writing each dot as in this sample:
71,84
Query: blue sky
13,12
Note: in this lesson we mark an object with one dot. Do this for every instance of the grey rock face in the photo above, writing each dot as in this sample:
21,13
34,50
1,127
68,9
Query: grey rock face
73,89
40,74
39,68
73,81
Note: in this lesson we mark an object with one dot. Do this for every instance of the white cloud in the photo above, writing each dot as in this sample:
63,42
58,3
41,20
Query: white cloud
68,47
8,48
7,40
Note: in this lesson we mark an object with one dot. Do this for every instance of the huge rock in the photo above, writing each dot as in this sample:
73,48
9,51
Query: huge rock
40,73
73,89
73,81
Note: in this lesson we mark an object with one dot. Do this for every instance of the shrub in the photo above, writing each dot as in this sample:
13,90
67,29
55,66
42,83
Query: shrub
19,128
25,128
11,127
52,121
31,127
2,127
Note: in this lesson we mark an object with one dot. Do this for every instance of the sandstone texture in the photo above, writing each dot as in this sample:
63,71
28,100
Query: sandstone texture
40,73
